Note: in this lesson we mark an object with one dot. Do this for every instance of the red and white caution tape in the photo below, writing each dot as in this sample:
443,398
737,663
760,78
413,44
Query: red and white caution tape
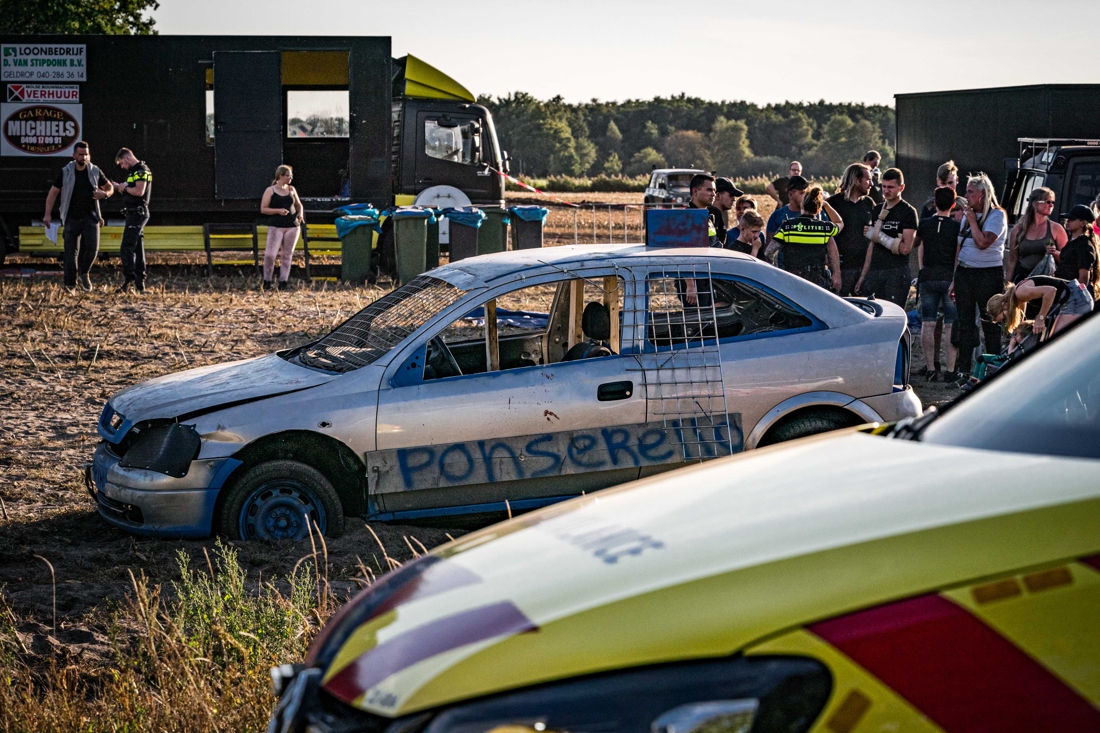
532,189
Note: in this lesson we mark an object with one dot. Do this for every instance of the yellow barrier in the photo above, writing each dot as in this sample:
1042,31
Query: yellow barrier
32,240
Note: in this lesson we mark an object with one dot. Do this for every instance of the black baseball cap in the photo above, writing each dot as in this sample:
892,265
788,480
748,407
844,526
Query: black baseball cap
1082,213
797,183
725,185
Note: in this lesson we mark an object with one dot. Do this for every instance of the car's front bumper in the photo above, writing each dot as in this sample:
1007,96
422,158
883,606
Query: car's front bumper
896,405
153,504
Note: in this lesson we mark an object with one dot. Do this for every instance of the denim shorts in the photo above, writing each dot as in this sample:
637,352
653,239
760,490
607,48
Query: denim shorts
933,295
1079,301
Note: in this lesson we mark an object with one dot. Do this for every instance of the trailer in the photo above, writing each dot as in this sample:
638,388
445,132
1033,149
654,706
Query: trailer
214,115
1023,137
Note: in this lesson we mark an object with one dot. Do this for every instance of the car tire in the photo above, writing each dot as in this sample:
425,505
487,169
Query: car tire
272,500
809,423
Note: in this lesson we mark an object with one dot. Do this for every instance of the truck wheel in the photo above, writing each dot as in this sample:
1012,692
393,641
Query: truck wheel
274,500
810,423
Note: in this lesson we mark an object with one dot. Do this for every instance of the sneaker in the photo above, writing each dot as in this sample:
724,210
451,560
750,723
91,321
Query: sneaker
267,285
125,287
85,283
139,286
284,285
951,376
935,376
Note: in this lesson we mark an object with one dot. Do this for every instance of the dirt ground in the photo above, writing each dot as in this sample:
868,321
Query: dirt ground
63,355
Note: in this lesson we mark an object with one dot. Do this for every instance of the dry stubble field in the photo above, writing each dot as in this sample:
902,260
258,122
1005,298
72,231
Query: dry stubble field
87,612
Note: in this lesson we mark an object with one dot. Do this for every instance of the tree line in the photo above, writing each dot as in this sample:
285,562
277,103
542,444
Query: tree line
555,138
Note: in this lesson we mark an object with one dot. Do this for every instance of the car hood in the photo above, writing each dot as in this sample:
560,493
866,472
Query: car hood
197,390
700,562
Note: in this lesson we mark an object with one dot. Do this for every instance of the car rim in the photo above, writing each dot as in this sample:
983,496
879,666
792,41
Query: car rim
281,510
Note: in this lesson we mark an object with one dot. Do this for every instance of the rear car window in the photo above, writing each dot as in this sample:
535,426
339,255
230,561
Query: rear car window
374,331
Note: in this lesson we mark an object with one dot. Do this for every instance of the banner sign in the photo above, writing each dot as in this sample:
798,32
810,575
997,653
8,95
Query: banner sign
43,62
39,129
56,93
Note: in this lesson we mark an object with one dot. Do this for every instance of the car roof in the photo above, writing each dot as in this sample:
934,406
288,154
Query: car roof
678,170
485,269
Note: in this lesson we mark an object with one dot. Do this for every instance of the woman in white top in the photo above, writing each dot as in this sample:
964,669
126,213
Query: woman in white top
979,268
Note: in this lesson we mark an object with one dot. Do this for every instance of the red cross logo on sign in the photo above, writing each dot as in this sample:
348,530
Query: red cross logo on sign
15,92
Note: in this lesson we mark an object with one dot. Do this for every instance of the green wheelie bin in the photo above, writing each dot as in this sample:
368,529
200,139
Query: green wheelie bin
356,234
493,236
410,240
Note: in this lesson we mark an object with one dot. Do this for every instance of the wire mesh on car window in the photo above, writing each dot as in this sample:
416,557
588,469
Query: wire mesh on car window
682,362
373,331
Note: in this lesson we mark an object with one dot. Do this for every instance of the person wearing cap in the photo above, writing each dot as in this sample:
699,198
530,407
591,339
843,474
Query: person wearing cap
1080,258
724,200
796,190
703,195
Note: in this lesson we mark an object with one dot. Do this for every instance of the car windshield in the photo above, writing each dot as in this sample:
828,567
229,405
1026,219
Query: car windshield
372,332
1049,404
679,181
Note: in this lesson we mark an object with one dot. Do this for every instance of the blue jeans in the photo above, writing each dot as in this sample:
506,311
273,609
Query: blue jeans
933,295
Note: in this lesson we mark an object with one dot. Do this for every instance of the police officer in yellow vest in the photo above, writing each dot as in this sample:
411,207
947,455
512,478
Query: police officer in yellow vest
136,191
807,243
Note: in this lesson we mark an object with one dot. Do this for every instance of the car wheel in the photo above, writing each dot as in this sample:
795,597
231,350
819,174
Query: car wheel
277,500
809,423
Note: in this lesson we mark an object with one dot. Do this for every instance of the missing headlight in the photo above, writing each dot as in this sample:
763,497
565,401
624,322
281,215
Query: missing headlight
167,449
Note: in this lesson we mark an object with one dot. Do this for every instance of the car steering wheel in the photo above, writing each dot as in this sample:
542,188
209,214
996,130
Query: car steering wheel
441,347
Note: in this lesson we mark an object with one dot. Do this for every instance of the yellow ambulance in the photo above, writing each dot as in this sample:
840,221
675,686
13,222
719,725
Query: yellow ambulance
939,575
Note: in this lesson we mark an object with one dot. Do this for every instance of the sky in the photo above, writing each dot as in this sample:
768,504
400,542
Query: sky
762,52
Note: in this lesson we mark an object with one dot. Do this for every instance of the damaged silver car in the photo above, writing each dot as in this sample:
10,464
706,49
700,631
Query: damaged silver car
502,382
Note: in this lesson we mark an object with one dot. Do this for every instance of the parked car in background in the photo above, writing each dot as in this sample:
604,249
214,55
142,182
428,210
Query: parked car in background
942,575
670,186
501,383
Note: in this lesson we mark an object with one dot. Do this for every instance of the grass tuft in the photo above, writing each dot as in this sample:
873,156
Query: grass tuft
196,660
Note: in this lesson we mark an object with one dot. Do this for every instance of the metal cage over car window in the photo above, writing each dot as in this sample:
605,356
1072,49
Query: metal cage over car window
372,332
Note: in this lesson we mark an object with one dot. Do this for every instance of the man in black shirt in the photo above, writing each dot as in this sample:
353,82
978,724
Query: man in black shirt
871,159
886,265
136,191
81,185
936,242
777,189
855,208
703,193
724,199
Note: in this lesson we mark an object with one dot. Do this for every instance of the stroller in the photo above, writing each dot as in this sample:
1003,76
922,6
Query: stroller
987,365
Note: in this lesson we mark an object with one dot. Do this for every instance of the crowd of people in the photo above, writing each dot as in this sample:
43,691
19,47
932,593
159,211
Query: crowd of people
975,276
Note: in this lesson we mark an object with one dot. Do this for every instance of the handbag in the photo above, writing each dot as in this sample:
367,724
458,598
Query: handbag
1046,266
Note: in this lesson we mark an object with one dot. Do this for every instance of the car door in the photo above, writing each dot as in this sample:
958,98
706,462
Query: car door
518,423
